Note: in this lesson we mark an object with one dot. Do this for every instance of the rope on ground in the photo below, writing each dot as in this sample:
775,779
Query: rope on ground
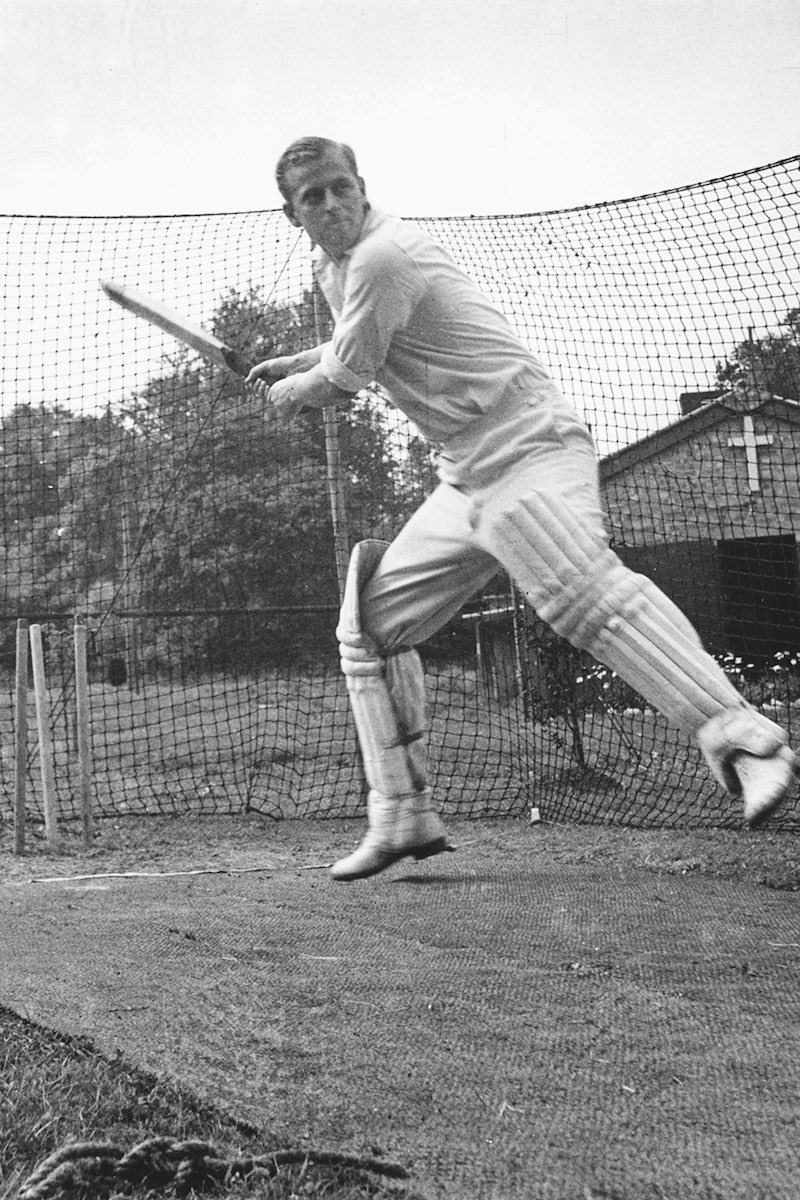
170,874
162,1162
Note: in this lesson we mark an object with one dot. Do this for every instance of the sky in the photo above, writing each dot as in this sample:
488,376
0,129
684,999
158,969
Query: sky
453,106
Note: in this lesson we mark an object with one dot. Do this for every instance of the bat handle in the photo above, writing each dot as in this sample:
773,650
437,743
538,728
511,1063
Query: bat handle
236,362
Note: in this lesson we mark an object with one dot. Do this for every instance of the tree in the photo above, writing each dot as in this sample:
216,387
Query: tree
235,508
58,486
767,365
186,498
232,510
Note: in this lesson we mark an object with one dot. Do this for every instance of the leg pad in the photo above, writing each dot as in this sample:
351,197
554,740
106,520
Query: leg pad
562,562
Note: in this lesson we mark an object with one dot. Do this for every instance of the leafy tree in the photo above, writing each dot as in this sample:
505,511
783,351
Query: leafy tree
189,498
770,364
58,486
235,507
232,508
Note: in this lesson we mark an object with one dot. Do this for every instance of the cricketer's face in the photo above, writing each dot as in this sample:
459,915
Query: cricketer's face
328,201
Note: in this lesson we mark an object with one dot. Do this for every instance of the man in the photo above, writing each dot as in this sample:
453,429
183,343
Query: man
518,487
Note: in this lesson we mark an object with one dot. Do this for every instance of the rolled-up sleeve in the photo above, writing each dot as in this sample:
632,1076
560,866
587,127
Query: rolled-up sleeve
382,289
339,374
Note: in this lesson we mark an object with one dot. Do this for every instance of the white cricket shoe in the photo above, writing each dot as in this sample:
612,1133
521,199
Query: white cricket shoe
765,782
398,827
751,758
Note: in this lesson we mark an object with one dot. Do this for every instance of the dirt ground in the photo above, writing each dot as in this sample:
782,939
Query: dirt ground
550,1012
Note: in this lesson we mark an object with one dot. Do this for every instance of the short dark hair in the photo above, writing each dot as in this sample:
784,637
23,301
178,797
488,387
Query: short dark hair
305,150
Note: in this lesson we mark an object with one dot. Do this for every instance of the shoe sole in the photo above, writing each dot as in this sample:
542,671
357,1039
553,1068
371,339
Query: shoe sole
439,845
764,813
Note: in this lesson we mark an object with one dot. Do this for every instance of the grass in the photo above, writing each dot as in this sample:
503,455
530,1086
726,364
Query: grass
57,1090
282,744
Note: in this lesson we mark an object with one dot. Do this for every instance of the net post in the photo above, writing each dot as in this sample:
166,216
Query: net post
337,496
45,738
82,723
20,734
129,537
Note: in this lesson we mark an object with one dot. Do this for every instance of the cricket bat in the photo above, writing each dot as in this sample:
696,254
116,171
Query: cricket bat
185,331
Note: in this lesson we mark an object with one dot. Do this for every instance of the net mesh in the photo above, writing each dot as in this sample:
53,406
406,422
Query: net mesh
145,495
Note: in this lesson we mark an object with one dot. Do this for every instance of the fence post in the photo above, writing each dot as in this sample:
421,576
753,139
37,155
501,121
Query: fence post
337,495
45,738
20,735
82,724
130,555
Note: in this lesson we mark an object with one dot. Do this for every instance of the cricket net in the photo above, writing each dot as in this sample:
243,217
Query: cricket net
145,495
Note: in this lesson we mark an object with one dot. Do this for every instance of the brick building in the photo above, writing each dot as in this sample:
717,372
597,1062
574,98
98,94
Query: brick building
709,508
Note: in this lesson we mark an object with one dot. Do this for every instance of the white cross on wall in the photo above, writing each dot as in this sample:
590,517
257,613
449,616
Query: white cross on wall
751,444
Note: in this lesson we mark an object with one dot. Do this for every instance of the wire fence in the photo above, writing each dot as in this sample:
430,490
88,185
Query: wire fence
145,495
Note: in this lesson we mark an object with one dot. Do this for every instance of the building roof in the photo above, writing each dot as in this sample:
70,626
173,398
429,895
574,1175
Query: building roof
697,422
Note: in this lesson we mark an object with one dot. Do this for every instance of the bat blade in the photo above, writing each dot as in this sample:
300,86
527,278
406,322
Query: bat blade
177,326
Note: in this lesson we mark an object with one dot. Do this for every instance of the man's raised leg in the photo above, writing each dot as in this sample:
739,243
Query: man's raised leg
555,547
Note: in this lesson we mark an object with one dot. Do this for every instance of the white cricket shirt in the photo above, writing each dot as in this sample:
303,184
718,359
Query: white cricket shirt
407,317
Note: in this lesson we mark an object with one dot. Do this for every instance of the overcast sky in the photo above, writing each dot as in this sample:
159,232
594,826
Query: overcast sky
453,106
